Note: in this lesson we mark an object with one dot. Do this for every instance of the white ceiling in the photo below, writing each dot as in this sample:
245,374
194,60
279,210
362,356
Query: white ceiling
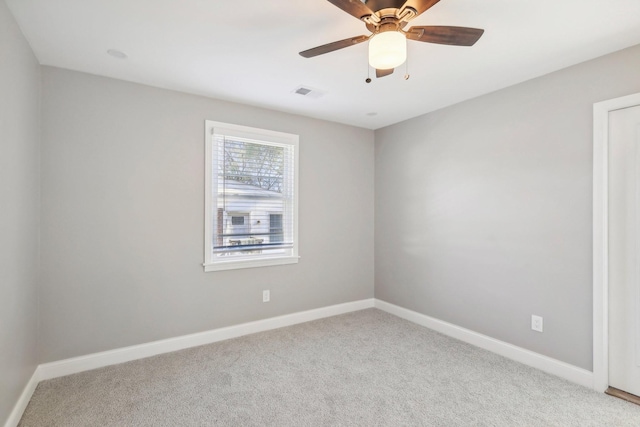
247,51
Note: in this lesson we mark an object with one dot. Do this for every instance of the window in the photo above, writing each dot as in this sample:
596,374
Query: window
251,209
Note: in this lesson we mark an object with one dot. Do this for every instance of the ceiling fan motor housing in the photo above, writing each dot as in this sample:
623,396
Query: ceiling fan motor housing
383,19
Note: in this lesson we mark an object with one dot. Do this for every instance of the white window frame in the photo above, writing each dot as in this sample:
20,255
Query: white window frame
211,189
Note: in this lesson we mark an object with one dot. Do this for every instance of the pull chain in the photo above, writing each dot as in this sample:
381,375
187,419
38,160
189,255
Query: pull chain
368,79
406,69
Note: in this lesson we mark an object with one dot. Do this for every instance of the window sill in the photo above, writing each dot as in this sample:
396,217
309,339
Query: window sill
250,263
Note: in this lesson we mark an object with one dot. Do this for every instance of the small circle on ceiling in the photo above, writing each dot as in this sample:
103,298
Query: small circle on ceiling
372,114
117,53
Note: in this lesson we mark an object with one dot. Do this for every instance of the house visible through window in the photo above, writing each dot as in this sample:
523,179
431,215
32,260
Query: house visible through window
251,203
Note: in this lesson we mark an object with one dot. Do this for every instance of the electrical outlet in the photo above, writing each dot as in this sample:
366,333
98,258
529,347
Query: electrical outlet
266,295
536,323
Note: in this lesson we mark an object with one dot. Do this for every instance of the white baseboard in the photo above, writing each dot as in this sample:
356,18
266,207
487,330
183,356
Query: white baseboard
112,357
510,351
23,401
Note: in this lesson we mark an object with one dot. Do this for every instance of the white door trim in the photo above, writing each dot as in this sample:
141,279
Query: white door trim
601,235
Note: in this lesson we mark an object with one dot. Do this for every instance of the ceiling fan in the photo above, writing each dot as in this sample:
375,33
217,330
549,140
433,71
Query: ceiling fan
386,19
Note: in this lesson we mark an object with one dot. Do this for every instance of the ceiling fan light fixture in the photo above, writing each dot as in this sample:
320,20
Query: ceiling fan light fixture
387,50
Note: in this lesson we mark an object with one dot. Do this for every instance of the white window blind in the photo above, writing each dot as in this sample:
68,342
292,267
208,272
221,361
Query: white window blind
252,203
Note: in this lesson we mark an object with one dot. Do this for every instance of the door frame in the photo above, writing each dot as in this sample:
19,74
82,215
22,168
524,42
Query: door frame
601,112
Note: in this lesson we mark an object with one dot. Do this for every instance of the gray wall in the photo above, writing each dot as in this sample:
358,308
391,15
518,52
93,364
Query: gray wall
122,222
483,209
19,196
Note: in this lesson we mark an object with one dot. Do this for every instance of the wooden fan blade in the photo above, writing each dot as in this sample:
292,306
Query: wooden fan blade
456,36
330,47
382,73
353,7
376,5
420,6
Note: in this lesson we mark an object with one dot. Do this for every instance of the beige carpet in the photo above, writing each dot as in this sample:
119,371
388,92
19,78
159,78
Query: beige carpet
365,368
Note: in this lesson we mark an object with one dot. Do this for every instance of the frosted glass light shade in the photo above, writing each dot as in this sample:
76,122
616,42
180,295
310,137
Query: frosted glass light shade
387,50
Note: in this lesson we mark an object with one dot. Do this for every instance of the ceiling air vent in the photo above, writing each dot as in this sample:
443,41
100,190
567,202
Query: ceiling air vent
309,92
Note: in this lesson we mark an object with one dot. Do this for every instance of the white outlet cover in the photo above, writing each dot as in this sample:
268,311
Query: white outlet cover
536,323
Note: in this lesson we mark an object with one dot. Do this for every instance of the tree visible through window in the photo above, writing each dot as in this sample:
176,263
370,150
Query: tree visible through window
254,164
